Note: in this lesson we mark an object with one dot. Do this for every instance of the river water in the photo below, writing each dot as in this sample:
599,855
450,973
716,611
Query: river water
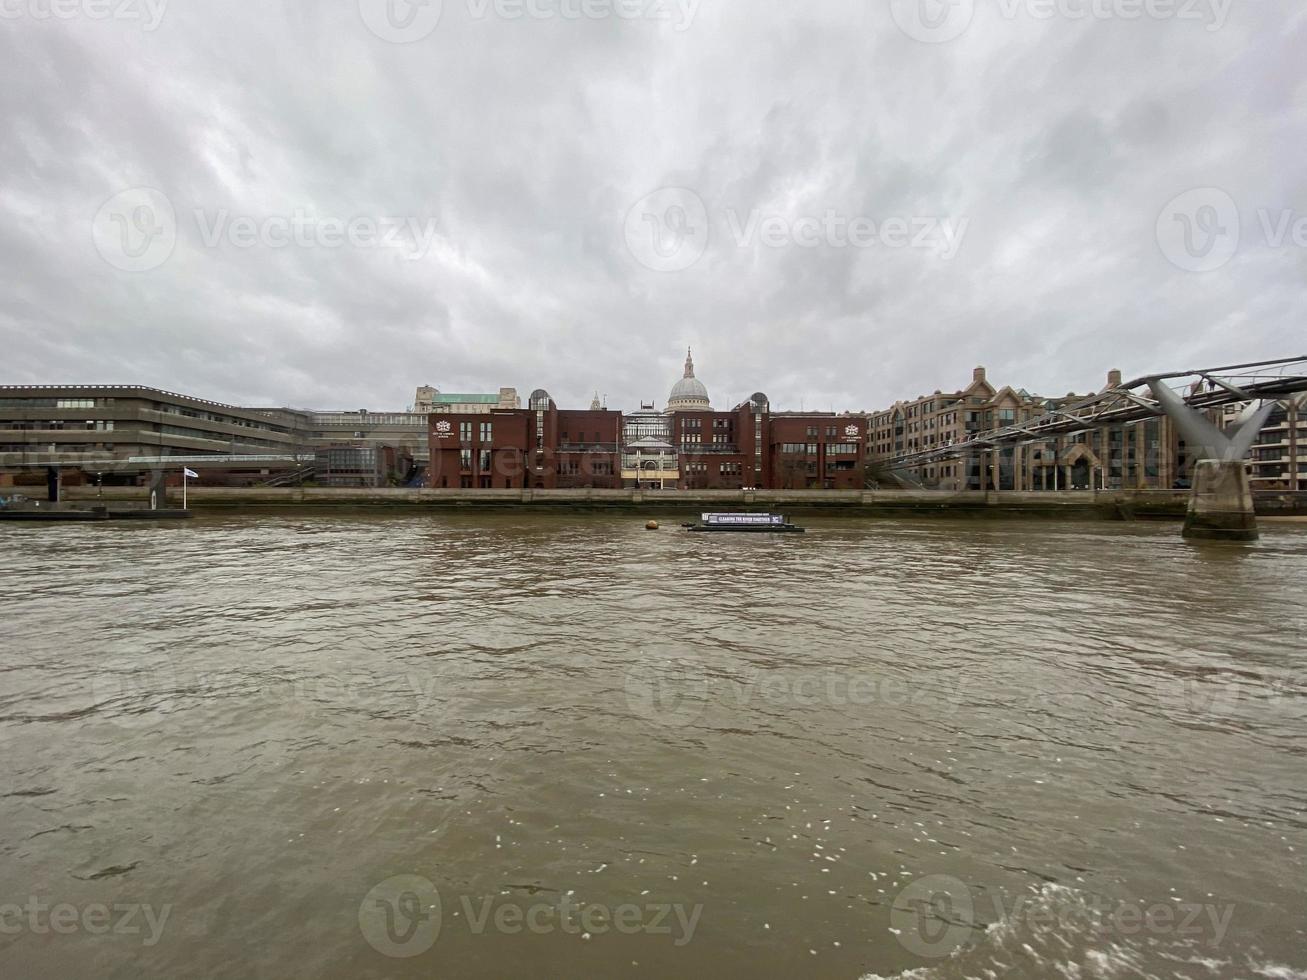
492,746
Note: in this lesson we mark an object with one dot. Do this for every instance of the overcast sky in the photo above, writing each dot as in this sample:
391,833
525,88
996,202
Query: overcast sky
325,204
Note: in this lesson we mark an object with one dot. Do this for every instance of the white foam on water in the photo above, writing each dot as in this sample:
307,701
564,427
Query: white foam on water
1058,931
1277,971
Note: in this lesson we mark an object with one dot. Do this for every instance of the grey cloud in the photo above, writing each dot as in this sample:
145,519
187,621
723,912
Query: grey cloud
528,141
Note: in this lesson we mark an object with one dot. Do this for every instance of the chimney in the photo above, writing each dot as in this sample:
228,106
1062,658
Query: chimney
978,374
1114,378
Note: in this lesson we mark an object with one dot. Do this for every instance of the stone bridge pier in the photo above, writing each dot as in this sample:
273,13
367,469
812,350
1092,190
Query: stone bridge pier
1221,505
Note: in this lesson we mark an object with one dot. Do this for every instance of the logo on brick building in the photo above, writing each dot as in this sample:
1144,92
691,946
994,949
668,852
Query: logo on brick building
852,432
443,429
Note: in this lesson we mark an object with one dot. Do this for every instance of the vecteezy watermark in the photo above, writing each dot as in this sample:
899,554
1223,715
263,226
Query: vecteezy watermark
679,13
1201,229
411,236
835,230
97,919
406,21
678,692
670,230
1249,693
401,21
402,917
149,13
141,690
131,692
936,915
137,230
669,692
938,21
667,231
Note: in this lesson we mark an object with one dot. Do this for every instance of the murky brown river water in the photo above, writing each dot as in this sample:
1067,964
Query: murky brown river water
499,746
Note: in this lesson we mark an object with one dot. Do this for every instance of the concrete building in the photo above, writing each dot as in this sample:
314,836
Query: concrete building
98,426
107,426
361,466
429,399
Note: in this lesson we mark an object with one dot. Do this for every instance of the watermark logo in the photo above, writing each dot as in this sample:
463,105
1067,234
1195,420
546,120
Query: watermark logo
1198,231
678,692
933,916
1262,693
136,229
937,915
401,917
401,21
943,236
670,229
679,13
1201,229
673,692
667,231
938,21
148,13
933,21
127,694
63,919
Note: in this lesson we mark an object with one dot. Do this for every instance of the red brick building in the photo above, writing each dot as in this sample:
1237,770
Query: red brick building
693,447
539,448
722,450
816,451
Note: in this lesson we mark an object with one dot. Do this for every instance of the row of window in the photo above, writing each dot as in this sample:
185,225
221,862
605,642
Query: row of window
810,448
58,425
49,402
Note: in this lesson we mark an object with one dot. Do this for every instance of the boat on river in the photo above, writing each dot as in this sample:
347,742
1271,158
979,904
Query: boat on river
755,523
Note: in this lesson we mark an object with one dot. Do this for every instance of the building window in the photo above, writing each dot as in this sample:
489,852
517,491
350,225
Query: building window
465,459
465,432
487,432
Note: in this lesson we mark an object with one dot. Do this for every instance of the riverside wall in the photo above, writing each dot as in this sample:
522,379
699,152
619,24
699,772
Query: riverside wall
1103,504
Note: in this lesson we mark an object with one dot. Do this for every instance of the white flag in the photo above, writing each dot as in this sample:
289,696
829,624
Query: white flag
191,473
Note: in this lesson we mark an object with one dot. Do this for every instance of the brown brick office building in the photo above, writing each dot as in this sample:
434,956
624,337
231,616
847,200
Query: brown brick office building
686,446
816,451
541,447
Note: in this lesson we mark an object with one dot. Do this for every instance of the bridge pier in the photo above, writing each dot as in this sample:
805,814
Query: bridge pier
158,488
1221,504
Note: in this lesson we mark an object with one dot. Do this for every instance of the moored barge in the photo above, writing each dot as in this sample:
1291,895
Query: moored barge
756,523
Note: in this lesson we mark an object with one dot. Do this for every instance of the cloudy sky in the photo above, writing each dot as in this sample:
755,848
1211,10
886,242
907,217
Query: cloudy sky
325,204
